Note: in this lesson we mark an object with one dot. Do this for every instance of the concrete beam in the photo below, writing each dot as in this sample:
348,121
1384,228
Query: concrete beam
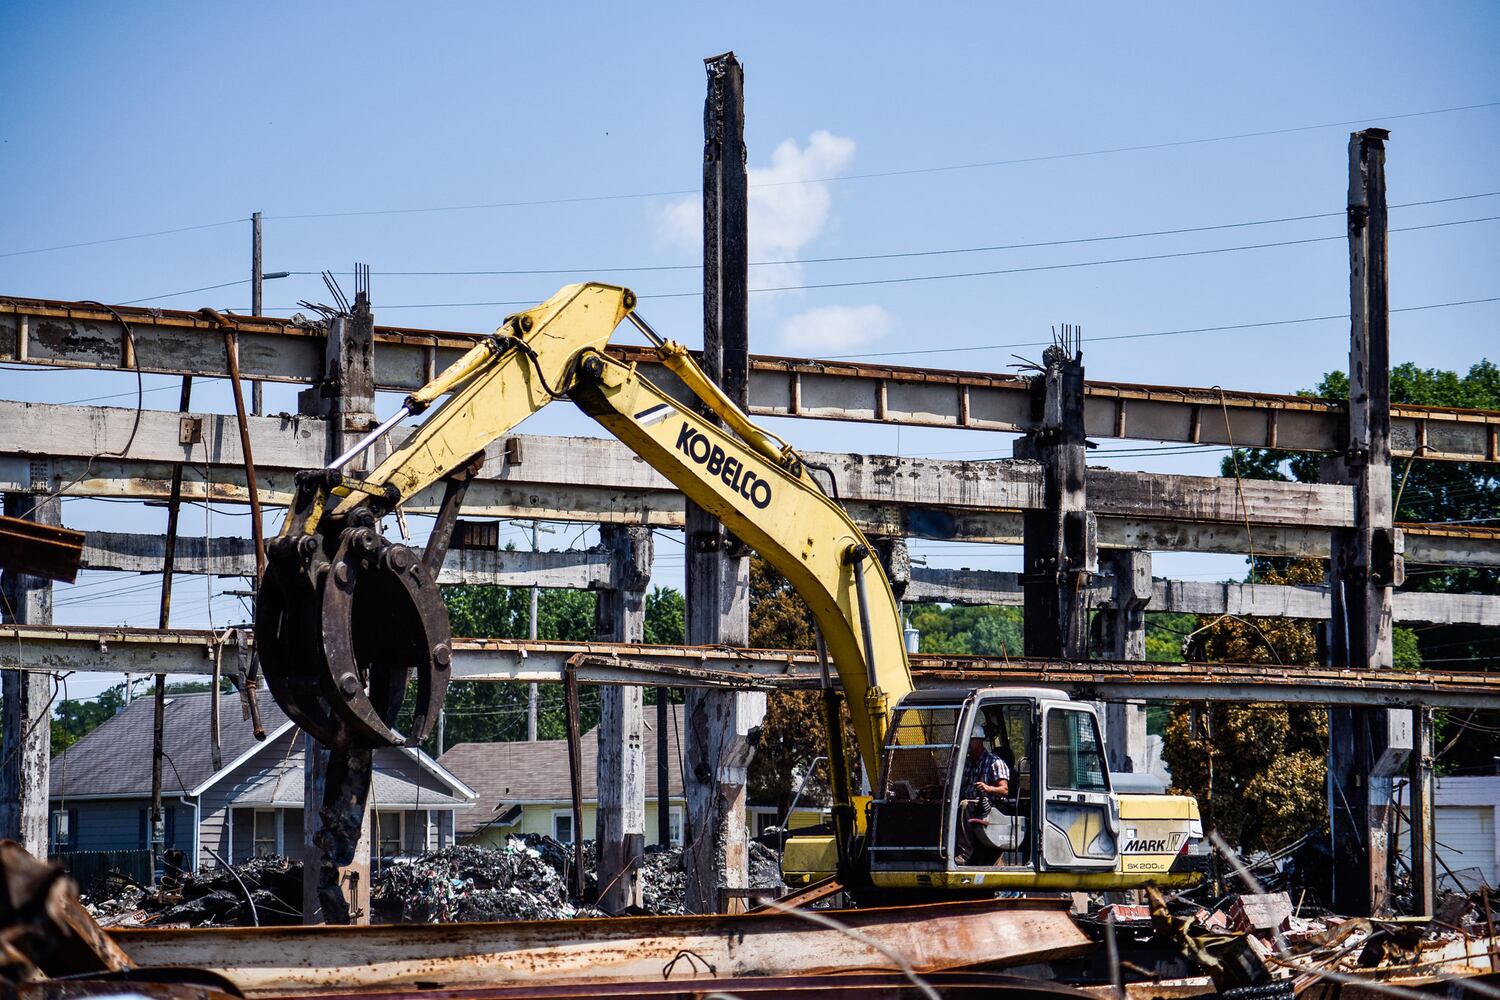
187,651
84,335
1002,589
600,480
569,569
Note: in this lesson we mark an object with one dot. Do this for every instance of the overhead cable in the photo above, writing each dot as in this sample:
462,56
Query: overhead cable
896,255
942,168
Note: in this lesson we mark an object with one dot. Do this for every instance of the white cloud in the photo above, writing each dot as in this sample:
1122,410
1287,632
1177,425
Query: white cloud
789,206
834,329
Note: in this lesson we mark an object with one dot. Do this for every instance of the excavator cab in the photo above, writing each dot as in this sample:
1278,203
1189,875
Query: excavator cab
1060,824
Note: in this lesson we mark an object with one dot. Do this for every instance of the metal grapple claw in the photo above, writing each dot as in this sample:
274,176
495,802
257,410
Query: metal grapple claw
344,624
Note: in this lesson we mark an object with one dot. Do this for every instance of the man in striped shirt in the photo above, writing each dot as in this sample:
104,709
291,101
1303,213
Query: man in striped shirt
986,779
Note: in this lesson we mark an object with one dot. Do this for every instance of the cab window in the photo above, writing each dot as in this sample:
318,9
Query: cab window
1075,759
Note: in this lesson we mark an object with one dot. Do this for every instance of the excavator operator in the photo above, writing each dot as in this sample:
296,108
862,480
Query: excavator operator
986,783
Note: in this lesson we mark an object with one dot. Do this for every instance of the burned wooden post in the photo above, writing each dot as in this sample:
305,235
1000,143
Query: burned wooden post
1123,637
28,695
620,831
1367,746
1059,541
1423,820
718,723
347,399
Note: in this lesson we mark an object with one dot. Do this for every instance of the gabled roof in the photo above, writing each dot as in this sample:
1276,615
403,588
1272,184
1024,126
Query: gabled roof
115,759
283,788
520,771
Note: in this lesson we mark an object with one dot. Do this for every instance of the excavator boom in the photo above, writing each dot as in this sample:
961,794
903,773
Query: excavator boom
801,532
750,479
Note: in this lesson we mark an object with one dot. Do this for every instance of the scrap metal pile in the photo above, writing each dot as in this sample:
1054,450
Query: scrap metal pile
526,879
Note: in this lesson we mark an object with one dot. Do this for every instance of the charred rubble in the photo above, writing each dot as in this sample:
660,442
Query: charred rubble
526,879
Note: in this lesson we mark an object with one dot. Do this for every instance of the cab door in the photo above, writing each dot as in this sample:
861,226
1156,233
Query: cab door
1079,826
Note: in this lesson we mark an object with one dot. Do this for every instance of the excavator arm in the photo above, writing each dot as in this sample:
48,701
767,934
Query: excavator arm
347,620
379,621
768,501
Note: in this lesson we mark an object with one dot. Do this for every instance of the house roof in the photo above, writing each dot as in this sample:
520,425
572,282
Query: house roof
115,759
520,771
283,787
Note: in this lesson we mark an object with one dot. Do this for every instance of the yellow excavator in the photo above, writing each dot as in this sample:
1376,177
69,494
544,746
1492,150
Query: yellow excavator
347,618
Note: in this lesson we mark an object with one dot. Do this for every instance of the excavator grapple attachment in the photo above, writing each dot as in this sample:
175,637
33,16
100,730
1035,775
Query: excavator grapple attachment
344,623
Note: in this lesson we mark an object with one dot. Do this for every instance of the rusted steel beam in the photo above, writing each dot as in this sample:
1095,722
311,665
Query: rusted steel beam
283,960
43,550
187,651
85,335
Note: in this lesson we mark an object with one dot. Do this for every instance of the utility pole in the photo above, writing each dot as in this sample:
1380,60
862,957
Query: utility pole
257,278
531,693
717,723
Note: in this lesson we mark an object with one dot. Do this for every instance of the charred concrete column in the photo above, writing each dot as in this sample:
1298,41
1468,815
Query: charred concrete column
1423,820
718,724
1123,637
1060,540
1367,746
347,399
620,830
26,600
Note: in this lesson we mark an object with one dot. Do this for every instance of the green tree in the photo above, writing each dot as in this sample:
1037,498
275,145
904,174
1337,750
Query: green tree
793,733
1426,491
484,712
76,718
962,630
1257,771
666,616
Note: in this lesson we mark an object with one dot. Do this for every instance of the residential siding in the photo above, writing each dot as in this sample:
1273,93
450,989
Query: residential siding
275,754
536,817
116,825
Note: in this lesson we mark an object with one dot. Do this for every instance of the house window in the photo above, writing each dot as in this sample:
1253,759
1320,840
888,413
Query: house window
674,825
389,833
763,820
64,829
263,839
562,826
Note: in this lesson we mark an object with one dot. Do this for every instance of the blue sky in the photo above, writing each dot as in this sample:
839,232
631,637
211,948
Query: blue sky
122,119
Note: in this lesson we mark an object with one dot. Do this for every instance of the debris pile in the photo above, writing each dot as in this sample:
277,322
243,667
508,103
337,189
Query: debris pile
529,878
267,890
1257,945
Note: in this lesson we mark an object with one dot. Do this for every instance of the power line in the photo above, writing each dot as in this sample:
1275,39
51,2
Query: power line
1159,333
903,172
912,279
122,239
185,291
909,171
902,254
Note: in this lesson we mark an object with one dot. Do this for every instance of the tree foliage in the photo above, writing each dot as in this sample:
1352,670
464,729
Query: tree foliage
1257,770
1426,491
793,733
